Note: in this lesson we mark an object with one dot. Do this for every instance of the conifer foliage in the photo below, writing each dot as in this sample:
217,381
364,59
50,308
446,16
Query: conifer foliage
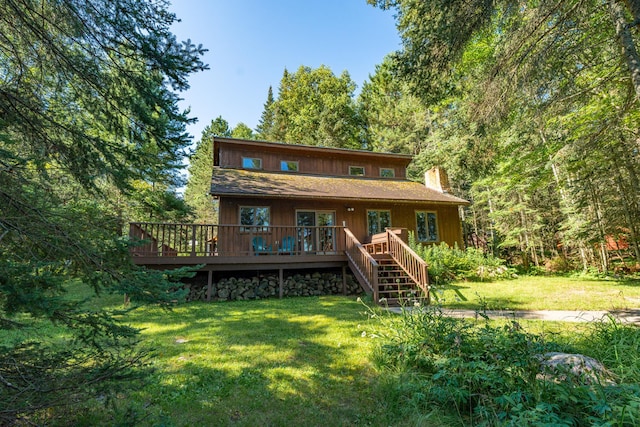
88,116
198,191
533,110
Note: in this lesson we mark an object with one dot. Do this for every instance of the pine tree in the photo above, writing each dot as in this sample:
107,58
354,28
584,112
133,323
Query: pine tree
88,96
197,192
265,127
395,121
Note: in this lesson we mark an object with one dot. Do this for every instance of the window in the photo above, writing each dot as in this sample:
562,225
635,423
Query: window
377,221
255,216
387,173
288,166
356,170
251,163
427,226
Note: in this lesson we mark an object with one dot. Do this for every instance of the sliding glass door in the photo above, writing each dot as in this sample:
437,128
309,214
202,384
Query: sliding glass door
316,232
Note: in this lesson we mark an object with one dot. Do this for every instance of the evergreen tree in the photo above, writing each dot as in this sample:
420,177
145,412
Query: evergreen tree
266,125
395,121
198,190
88,95
314,107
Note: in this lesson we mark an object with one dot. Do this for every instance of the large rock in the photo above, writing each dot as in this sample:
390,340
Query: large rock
577,368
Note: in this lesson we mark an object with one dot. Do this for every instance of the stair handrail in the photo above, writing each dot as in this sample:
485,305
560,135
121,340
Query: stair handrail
363,262
411,262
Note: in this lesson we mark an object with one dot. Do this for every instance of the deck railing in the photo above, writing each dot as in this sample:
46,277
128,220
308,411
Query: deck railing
410,262
204,240
362,263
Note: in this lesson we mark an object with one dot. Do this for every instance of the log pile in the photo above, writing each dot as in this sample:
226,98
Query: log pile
267,286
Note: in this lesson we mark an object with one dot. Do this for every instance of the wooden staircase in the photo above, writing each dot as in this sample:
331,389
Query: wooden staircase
388,269
395,286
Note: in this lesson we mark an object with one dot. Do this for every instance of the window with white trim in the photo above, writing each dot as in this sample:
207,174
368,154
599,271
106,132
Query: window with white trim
387,172
356,170
288,166
251,163
427,226
377,221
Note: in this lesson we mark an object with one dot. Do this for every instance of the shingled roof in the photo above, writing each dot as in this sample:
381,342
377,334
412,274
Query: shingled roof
251,183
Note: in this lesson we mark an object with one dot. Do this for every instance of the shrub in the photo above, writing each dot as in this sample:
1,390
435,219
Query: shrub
446,264
559,264
487,374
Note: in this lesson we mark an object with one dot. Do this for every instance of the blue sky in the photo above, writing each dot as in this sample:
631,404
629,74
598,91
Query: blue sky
251,42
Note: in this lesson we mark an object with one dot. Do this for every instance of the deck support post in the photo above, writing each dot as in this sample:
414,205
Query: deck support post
344,280
281,281
209,285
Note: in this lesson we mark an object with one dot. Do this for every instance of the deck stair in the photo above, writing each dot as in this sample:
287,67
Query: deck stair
395,286
388,269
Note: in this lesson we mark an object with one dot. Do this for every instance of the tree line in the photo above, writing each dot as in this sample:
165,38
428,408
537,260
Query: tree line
532,108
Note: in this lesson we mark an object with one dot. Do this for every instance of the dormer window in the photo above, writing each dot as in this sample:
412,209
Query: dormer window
288,166
387,173
356,170
251,163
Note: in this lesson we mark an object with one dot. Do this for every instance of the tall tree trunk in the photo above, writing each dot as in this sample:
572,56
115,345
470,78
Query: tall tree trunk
491,230
597,213
625,38
584,256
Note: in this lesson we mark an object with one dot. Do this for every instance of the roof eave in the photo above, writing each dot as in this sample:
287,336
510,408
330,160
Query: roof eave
346,199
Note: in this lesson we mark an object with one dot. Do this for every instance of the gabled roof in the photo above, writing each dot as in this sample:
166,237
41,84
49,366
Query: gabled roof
250,183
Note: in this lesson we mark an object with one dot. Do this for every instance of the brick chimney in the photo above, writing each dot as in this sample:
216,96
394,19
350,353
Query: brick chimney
436,179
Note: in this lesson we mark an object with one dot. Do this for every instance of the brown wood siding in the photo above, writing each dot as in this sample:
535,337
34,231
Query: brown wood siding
230,156
283,212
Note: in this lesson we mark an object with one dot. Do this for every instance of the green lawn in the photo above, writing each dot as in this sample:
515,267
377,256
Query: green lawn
543,293
299,361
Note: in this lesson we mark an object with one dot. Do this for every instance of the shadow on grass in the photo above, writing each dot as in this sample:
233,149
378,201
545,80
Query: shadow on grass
269,362
633,281
456,295
486,304
628,282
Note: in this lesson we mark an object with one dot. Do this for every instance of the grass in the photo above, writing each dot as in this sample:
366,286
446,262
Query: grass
303,361
283,362
543,293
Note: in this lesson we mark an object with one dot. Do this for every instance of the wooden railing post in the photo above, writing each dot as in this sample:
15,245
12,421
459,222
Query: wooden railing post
425,274
193,240
374,283
366,267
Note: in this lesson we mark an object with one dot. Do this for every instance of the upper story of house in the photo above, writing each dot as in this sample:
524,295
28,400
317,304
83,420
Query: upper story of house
303,159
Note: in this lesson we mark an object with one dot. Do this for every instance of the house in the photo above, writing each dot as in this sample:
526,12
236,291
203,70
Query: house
285,206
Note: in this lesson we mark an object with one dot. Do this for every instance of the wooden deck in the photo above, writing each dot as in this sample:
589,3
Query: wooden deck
238,263
234,247
386,267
